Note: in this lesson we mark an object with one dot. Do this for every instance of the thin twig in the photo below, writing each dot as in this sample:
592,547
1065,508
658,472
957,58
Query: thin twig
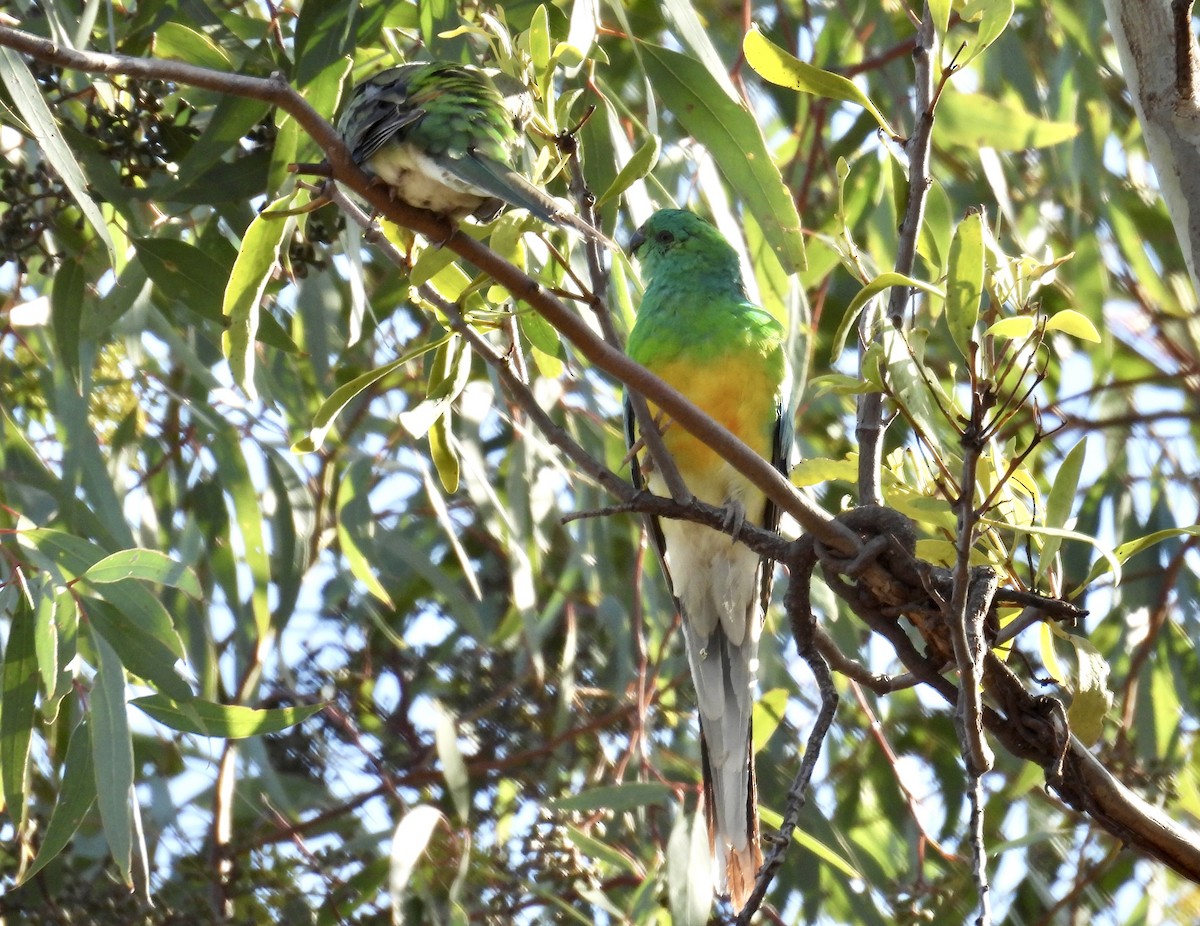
869,427
798,604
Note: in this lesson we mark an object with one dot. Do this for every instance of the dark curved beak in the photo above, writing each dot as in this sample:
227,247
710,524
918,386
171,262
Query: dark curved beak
635,242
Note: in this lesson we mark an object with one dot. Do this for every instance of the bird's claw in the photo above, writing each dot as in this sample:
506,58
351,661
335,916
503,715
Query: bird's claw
733,519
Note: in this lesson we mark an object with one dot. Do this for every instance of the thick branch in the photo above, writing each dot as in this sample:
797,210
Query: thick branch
1158,56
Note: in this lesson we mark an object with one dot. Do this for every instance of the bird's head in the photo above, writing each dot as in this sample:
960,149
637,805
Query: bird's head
681,240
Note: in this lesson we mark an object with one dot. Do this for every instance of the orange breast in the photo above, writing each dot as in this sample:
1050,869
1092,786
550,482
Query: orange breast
740,395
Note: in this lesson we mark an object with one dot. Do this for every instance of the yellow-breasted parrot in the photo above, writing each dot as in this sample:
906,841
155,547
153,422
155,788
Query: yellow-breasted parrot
697,330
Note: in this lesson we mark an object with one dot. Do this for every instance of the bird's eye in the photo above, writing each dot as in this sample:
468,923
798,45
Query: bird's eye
664,237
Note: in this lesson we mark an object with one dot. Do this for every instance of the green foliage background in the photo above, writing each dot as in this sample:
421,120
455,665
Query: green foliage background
401,617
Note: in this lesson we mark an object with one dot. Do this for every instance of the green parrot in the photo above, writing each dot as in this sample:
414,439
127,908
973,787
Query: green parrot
442,136
697,330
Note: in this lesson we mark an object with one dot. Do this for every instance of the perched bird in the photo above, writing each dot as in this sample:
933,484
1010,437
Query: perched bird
442,136
696,329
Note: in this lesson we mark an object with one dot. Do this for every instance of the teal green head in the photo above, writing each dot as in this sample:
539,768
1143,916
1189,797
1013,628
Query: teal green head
679,245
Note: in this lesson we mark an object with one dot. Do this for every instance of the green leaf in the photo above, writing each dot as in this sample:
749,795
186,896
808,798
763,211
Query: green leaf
940,11
821,850
993,17
1016,328
23,89
1091,698
768,713
732,136
972,120
882,282
142,650
18,692
325,33
637,167
1110,557
189,277
779,67
228,123
252,270
601,851
441,451
839,384
964,280
542,335
1073,323
1131,548
112,755
355,527
439,21
75,556
75,799
149,565
206,718
234,474
448,376
817,470
66,314
45,635
1060,502
616,797
178,42
539,39
344,395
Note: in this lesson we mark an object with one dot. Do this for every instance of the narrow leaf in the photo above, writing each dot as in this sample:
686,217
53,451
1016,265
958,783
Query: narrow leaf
964,280
408,845
615,797
689,877
882,282
206,718
23,89
112,755
149,565
732,136
18,692
601,851
252,270
355,528
821,850
453,767
344,395
234,474
635,169
1131,548
973,120
75,799
768,712
140,649
779,67
441,451
1110,557
66,314
1091,698
1060,501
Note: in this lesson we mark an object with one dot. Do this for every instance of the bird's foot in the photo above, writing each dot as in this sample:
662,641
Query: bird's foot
734,518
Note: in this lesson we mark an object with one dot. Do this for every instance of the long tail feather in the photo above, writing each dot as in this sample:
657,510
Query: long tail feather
723,674
504,183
